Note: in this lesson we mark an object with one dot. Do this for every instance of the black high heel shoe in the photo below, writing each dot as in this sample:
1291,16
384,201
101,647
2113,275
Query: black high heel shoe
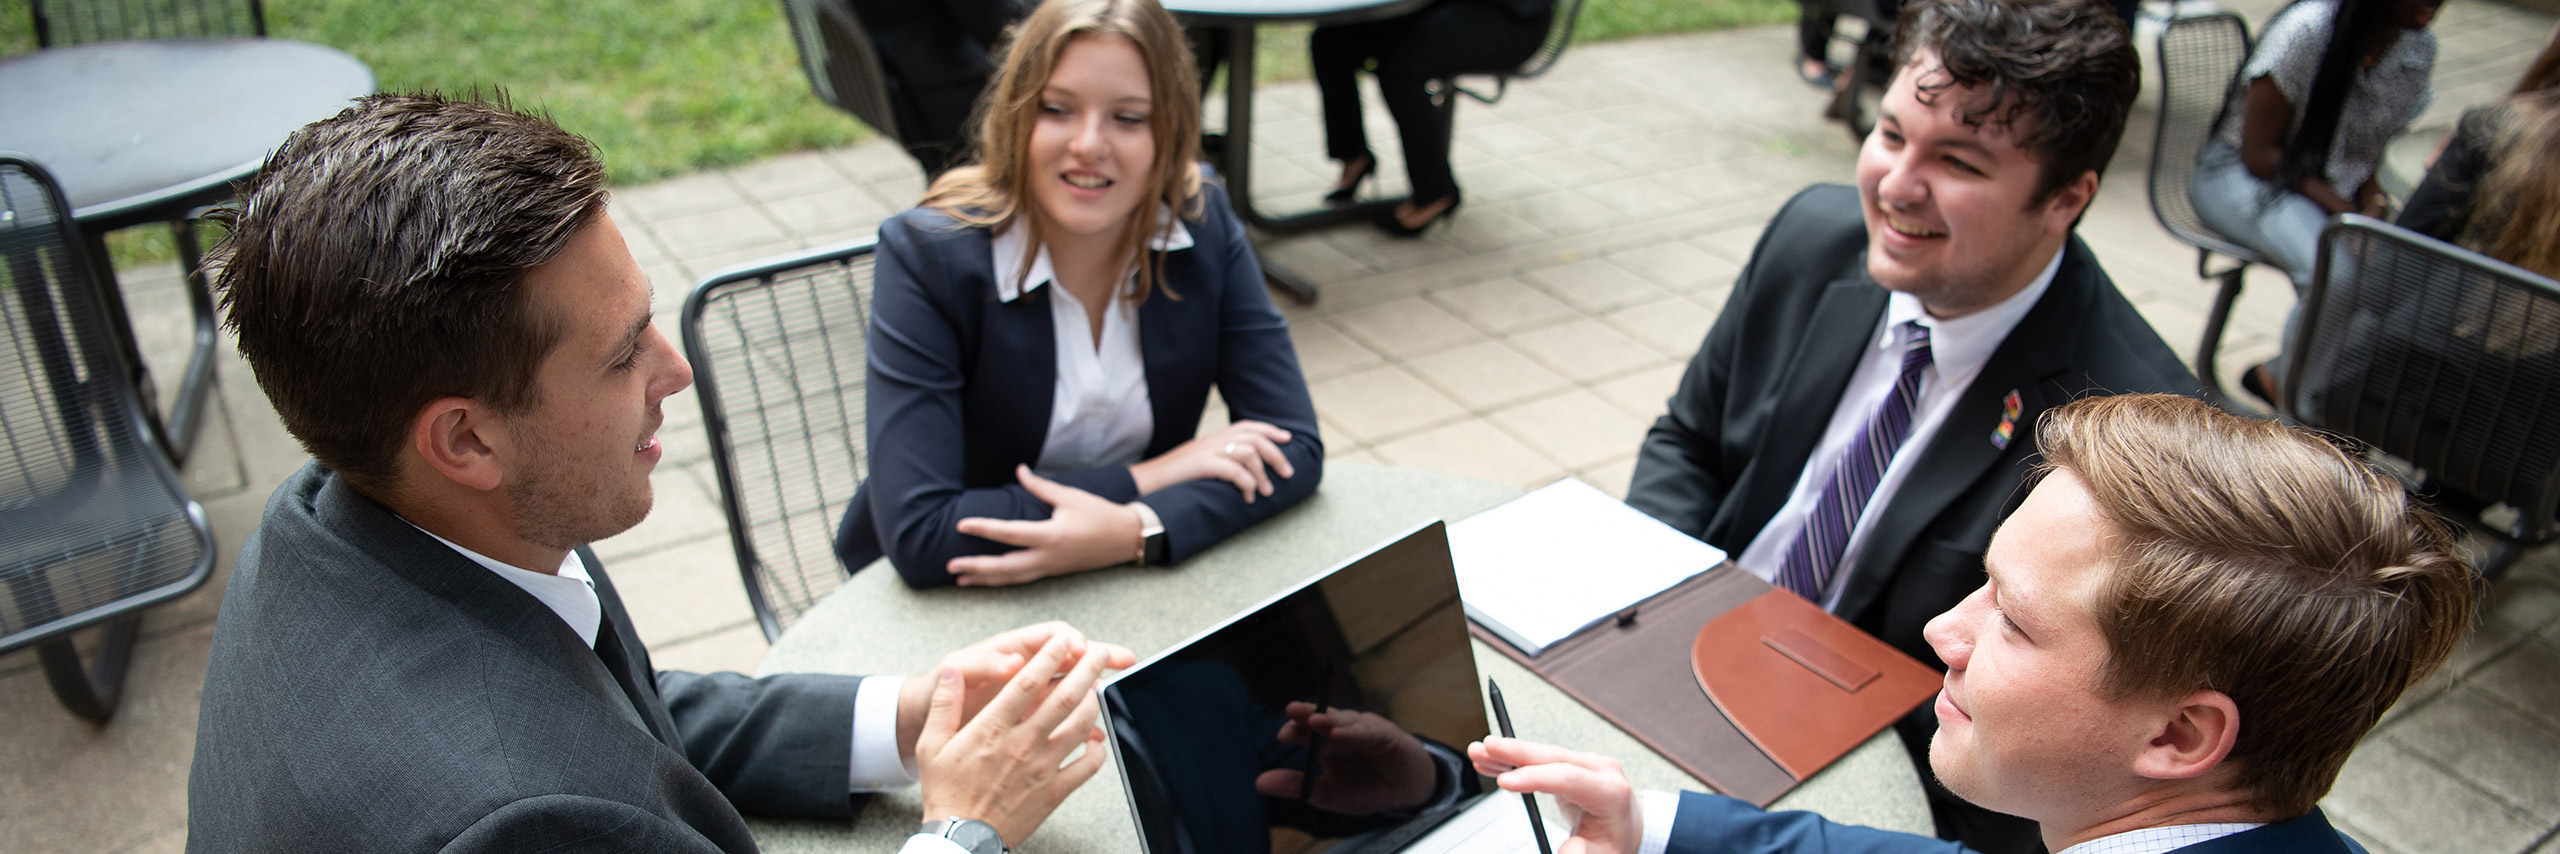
1391,224
1349,191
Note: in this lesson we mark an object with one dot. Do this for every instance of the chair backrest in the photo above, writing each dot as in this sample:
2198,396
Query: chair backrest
843,67
1559,36
93,522
779,350
2439,356
2200,58
71,22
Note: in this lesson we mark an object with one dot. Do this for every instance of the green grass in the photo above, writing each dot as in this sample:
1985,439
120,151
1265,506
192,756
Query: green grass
667,87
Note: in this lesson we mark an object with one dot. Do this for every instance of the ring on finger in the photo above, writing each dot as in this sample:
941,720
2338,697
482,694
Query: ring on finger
1231,449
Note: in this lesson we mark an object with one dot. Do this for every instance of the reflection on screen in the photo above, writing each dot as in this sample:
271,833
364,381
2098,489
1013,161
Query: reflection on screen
1334,719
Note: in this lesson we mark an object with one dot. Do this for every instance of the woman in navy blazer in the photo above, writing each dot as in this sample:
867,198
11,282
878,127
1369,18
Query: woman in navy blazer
1090,151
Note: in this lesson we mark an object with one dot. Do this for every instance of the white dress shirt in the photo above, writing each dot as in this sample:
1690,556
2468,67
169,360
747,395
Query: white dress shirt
877,765
1958,349
1100,413
1659,808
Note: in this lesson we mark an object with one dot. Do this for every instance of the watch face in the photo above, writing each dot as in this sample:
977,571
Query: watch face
977,836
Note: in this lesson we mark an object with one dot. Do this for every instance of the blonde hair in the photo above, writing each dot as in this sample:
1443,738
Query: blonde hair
2263,562
991,191
2516,216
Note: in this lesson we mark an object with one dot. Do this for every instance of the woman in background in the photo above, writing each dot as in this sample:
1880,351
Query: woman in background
2512,137
1446,38
1048,323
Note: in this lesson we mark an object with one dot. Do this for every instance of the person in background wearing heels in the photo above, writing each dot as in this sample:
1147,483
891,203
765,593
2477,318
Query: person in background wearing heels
1443,39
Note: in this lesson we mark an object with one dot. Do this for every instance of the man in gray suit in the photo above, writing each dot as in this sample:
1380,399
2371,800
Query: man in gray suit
418,652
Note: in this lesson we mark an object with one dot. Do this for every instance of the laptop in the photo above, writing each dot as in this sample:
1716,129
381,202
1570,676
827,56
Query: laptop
1214,761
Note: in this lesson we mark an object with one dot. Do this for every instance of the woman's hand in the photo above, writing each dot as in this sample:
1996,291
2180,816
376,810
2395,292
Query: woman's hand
1084,531
1246,453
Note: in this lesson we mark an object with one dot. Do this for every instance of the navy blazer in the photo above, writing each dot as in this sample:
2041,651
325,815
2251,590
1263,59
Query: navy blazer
960,387
1718,823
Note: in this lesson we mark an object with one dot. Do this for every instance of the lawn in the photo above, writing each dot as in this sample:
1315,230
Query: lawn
668,87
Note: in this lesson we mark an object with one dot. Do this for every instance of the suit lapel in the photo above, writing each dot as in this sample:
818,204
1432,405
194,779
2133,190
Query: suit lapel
1021,375
1817,375
619,649
1168,348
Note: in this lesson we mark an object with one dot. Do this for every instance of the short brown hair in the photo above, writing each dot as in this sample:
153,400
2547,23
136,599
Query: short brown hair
2060,75
2263,562
375,265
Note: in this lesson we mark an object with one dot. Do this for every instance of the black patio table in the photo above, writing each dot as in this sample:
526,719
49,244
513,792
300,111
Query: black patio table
151,131
1237,19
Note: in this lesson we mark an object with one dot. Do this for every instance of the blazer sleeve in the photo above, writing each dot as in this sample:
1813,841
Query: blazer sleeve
572,824
1715,823
1258,377
777,746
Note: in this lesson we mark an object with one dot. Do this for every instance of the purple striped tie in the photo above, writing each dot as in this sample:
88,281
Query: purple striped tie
1816,552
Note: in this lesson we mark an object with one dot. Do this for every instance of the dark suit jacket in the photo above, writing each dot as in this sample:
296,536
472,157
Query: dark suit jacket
960,388
374,690
1721,824
1744,421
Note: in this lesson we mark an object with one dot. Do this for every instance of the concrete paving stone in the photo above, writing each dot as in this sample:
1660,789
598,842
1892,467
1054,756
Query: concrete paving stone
1406,327
1677,266
1508,139
707,264
796,174
1612,477
694,236
2524,601
736,648
1502,180
830,211
1472,449
1712,299
167,840
1502,305
1383,403
1638,199
1492,228
2550,843
1673,325
1569,167
1388,253
1487,374
1576,428
1585,350
1309,256
2360,835
1642,154
644,246
2383,779
1594,285
701,192
876,162
1570,213
76,786
2493,746
1646,393
691,590
1733,243
2523,677
686,508
1324,352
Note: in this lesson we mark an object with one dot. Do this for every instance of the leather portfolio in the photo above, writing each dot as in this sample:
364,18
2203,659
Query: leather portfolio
1743,685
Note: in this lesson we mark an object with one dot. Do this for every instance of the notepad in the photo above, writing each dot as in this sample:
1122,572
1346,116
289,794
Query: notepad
1543,566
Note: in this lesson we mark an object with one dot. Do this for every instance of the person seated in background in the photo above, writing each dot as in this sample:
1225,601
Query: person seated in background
937,57
417,651
1439,41
1848,430
2185,631
2328,85
2493,188
1047,326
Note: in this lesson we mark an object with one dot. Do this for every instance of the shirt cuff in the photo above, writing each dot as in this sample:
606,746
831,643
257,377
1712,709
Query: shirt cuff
877,765
926,843
1657,809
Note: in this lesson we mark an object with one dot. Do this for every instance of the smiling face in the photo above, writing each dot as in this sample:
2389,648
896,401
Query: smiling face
1093,145
2022,725
1948,205
584,449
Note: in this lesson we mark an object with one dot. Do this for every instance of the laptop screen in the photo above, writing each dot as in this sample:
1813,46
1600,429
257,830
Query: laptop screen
1365,673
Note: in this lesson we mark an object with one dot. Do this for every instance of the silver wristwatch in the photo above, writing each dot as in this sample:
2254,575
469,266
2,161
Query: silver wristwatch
977,836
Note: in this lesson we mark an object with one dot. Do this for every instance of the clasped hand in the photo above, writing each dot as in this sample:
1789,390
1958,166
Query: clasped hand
1246,453
1083,531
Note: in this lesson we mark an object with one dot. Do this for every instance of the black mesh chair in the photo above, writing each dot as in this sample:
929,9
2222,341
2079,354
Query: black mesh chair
2200,58
70,22
843,67
778,350
93,524
2444,359
1559,36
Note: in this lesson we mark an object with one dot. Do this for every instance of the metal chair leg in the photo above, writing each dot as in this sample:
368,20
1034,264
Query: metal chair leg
91,691
2210,348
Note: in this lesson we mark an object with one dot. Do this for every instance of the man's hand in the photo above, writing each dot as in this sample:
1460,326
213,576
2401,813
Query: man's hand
1368,764
985,666
1594,791
1246,453
1084,531
1008,766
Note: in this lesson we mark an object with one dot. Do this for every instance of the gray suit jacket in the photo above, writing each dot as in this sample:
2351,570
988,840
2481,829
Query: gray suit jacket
373,690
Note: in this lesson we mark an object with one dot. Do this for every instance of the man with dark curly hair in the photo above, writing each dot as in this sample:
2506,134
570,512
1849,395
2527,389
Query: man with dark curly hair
1857,421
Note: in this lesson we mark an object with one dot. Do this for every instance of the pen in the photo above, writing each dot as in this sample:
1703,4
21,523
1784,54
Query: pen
1502,716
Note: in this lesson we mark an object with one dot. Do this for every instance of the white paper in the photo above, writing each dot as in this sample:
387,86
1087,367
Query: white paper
1542,566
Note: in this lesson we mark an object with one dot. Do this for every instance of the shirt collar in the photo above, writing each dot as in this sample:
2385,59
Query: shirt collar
1011,243
2159,840
571,593
1963,344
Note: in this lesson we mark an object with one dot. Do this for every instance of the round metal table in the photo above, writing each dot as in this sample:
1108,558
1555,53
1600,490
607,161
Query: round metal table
875,625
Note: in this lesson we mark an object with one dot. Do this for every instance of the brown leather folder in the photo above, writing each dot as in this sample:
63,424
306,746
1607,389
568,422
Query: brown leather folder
1743,685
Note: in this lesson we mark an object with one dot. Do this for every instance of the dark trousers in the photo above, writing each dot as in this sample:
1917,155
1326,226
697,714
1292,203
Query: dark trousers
1815,20
1442,40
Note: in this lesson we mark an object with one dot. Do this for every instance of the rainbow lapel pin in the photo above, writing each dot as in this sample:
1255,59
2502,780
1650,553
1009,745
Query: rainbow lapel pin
2009,409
